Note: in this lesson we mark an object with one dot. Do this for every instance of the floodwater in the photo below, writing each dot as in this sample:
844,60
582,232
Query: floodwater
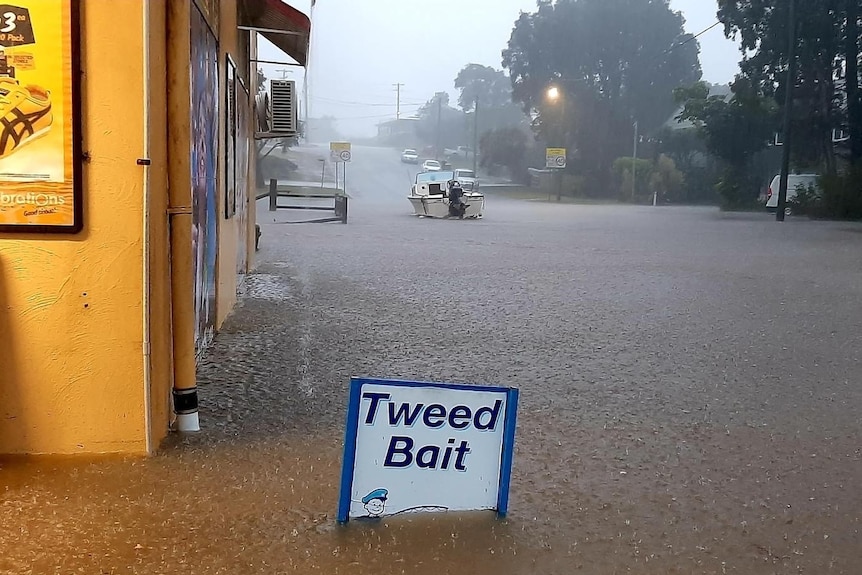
690,392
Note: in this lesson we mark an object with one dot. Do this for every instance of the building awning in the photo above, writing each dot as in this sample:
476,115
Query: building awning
283,25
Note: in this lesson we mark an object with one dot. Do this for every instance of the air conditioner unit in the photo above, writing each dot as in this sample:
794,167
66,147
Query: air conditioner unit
283,100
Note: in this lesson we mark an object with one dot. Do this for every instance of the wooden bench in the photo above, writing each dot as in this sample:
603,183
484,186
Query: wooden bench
287,190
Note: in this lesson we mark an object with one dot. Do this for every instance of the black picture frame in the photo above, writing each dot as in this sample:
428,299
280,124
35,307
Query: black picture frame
76,139
230,124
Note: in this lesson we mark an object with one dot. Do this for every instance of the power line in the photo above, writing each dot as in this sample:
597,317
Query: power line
353,103
361,117
695,37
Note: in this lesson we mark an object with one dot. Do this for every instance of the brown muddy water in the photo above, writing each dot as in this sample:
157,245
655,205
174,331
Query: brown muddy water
689,404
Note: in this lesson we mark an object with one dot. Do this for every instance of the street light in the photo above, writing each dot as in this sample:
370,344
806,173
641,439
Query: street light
554,95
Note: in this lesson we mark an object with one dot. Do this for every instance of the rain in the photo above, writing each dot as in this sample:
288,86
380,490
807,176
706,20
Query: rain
688,367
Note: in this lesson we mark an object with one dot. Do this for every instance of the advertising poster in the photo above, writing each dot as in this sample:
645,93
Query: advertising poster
39,134
242,155
416,447
204,150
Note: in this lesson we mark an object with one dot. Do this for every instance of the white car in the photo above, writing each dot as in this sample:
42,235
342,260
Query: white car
467,178
431,166
410,156
795,182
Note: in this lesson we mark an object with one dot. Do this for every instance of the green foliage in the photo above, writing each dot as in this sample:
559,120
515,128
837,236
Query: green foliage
828,41
737,188
842,194
734,130
490,86
493,91
688,151
323,129
610,70
441,124
506,148
807,201
839,197
622,170
666,181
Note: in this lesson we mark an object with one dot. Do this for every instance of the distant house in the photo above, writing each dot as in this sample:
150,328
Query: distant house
714,90
400,132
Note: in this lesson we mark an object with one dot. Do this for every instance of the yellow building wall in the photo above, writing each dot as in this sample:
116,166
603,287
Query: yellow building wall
84,367
71,315
228,237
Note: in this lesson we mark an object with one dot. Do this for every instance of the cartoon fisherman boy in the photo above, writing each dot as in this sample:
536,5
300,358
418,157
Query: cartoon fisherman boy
375,501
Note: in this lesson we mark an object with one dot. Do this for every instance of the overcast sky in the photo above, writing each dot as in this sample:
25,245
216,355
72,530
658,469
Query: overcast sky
360,49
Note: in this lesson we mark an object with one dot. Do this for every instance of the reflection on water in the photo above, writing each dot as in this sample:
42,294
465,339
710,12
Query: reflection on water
676,416
231,507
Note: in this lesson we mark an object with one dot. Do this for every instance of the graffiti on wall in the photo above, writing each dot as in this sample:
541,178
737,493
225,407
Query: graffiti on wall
204,151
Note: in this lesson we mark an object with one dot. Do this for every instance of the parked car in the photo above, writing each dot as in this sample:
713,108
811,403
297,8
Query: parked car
795,182
467,179
410,156
431,166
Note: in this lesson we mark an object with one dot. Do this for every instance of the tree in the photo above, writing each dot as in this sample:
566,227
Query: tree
612,70
827,94
506,148
439,124
734,130
622,169
685,146
666,181
323,130
490,90
490,86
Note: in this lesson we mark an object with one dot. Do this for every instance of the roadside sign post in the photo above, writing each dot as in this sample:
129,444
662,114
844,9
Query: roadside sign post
555,158
417,447
340,153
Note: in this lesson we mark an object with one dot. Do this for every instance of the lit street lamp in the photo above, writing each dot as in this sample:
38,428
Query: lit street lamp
554,95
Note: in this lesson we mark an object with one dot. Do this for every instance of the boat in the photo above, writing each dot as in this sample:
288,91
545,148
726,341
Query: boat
429,196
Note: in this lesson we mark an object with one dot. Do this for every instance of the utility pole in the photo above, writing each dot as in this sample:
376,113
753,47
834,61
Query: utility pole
475,135
564,139
284,72
398,100
788,113
305,73
439,113
635,163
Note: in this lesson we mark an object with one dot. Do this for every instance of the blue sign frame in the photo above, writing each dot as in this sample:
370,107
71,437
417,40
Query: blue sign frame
352,428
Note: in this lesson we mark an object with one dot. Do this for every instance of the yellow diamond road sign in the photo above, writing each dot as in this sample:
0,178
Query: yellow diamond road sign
555,157
339,151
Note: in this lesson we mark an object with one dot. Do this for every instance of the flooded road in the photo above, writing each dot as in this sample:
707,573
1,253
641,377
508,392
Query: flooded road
690,392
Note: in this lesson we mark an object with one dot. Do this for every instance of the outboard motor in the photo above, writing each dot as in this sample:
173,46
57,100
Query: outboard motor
457,207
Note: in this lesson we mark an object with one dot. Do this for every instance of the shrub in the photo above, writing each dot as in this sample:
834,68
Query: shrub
841,195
